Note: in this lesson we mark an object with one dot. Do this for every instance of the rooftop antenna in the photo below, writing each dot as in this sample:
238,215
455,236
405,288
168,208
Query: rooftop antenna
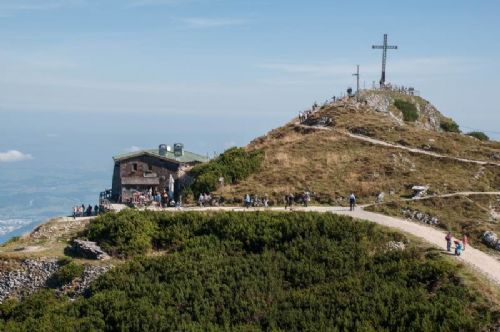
357,82
384,49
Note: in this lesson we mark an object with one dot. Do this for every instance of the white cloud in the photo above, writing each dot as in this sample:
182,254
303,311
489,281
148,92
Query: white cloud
14,155
205,23
8,8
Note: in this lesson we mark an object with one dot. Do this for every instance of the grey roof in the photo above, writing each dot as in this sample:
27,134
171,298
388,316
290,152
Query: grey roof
187,157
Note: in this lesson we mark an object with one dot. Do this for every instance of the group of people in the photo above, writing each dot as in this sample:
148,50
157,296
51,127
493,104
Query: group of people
256,201
82,211
459,245
205,199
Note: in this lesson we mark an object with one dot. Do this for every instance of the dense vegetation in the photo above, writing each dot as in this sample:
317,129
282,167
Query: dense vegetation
409,110
67,273
233,165
450,126
479,135
261,271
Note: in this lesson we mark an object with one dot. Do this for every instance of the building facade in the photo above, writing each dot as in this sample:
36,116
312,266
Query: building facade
145,173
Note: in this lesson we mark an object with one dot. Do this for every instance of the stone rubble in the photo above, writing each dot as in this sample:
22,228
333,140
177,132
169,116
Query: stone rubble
420,216
31,275
395,245
25,280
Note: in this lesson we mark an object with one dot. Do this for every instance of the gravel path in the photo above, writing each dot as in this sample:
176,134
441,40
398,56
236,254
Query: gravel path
402,147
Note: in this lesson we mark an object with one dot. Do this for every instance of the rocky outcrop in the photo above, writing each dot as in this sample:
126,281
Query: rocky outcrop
420,216
88,249
491,240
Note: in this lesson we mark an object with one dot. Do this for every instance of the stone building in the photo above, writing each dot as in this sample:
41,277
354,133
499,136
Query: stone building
152,171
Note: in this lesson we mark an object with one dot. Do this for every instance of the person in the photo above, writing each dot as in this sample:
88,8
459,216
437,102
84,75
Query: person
96,210
89,211
458,248
465,241
83,209
266,201
75,211
290,200
248,201
352,201
448,239
306,198
200,200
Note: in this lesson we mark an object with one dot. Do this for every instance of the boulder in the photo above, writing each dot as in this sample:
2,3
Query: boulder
89,249
491,239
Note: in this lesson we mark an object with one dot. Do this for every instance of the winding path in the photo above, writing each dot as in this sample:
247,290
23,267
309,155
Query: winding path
401,147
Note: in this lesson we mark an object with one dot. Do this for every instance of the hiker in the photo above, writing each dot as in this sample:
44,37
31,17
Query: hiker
448,241
465,241
306,198
248,201
96,210
266,201
200,200
290,200
352,201
458,248
75,211
89,211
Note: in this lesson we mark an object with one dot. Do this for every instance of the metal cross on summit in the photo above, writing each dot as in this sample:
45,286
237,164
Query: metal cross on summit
384,49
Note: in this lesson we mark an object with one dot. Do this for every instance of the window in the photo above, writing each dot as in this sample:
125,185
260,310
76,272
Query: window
149,168
134,167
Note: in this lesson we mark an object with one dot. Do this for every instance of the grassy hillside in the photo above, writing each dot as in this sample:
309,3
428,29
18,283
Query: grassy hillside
260,271
473,214
330,163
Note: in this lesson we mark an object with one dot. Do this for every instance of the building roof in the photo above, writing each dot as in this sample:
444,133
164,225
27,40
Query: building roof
187,157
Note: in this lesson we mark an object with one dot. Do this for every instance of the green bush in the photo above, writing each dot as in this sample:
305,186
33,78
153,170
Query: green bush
450,126
479,135
123,234
410,113
233,165
264,271
66,274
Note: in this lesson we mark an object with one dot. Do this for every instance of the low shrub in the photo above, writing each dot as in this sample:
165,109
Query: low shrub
66,274
264,271
123,234
479,135
233,165
409,110
450,126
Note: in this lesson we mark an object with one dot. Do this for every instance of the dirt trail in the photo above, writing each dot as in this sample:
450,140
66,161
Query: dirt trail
402,147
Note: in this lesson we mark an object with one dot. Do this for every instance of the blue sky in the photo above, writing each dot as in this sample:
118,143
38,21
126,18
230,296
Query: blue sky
249,65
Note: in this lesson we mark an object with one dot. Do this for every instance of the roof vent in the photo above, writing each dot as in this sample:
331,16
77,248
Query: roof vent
178,149
163,149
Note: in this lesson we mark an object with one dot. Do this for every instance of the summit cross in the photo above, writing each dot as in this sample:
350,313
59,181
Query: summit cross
384,49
